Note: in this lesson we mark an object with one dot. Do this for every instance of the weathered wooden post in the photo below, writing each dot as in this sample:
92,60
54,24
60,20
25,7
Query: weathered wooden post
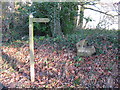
31,43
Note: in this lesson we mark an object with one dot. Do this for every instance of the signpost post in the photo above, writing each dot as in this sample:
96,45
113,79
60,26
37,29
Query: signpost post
31,43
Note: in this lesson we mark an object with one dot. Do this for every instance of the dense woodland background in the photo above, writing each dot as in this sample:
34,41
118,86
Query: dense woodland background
56,61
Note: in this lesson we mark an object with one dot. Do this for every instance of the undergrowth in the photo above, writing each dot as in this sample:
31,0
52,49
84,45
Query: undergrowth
96,37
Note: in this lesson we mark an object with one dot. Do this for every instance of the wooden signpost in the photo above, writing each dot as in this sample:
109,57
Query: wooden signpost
31,43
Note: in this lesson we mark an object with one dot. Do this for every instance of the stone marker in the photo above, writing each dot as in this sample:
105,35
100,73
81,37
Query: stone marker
83,49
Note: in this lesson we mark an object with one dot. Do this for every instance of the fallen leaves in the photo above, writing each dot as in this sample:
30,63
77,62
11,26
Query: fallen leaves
56,68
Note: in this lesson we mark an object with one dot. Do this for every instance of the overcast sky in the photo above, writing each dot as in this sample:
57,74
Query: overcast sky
109,1
95,16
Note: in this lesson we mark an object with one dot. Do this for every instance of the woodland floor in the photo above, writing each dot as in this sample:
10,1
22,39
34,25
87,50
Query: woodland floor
56,67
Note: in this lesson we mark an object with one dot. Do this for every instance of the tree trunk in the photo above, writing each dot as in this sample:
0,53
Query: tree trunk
119,16
0,30
80,16
55,24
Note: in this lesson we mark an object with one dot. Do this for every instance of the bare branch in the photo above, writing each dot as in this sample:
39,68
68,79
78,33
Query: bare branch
99,11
